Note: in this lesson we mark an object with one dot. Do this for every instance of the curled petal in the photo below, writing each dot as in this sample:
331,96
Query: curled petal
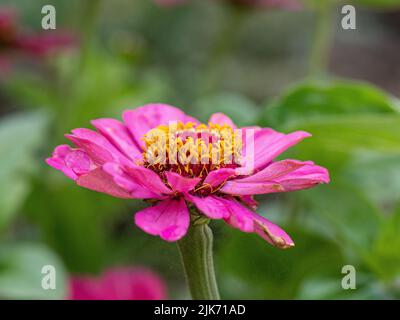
119,136
281,176
304,178
212,206
216,177
239,217
168,219
272,233
221,119
180,183
140,120
72,162
248,221
249,201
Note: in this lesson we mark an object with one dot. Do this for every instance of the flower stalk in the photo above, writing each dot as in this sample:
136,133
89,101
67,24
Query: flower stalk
197,259
323,34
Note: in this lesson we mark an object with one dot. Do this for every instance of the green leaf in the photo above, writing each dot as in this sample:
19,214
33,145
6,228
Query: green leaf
385,255
273,273
367,288
20,136
72,221
315,100
343,210
358,132
377,175
21,272
32,91
337,138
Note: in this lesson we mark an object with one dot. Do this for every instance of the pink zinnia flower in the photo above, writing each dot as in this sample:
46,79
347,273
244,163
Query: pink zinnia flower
118,284
214,168
13,40
284,4
169,3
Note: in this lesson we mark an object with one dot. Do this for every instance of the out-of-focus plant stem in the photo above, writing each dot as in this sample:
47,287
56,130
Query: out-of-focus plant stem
321,45
90,12
223,45
197,258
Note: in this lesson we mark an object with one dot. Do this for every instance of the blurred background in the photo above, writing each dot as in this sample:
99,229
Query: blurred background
286,64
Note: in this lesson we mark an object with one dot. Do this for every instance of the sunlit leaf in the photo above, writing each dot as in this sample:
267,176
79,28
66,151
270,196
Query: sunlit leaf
21,272
20,137
315,100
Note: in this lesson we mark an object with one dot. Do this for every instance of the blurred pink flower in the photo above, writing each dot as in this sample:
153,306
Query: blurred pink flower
118,284
284,4
169,3
187,167
15,41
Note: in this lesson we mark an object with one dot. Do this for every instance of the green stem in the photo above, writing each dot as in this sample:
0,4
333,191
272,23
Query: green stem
197,259
320,51
66,114
223,46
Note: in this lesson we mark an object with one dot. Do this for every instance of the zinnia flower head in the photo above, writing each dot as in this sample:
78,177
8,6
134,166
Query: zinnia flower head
122,283
160,154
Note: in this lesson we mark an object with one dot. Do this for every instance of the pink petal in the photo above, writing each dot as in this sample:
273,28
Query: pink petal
128,183
304,178
248,221
268,144
148,179
169,219
139,181
216,177
221,119
99,149
249,201
239,217
180,183
119,136
122,283
100,181
271,233
281,176
72,162
276,170
250,188
212,206
140,120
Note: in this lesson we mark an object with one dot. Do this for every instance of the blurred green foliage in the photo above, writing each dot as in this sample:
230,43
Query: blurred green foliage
204,58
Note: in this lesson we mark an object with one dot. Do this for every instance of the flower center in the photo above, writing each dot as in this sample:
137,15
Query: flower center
192,150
